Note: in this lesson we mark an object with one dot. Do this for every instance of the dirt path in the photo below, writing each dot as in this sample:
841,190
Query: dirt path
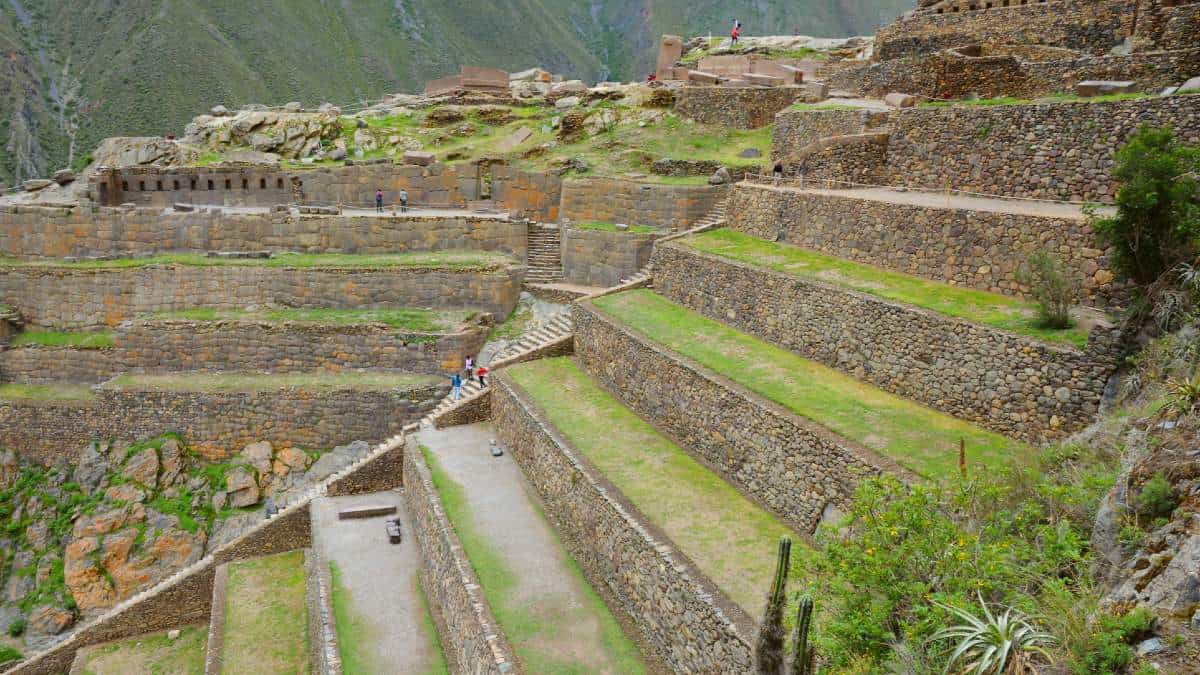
390,630
553,619
953,201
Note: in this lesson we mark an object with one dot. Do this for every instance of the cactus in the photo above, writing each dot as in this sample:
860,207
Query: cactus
803,653
769,649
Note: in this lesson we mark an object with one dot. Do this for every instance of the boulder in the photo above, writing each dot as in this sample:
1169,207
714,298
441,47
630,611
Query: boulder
1089,88
47,620
143,468
35,184
64,176
721,177
338,154
569,88
514,139
335,460
750,153
567,102
329,108
419,158
898,100
219,111
10,468
293,106
138,151
240,499
171,457
701,77
365,140
258,456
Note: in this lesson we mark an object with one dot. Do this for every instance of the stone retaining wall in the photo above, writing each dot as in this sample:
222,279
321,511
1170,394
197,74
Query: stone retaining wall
170,346
1058,151
183,599
690,625
66,298
961,246
602,258
36,232
792,467
1015,385
533,195
612,200
735,107
215,424
945,74
798,129
1093,26
471,638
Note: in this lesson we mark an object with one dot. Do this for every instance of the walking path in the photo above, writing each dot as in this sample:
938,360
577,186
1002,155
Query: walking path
389,629
952,201
549,613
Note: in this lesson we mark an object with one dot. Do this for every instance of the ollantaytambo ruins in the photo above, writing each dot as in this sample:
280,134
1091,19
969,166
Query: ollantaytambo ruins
617,337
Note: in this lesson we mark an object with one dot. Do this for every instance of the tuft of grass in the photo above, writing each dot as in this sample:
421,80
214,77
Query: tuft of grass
240,382
266,626
75,340
990,309
612,227
920,438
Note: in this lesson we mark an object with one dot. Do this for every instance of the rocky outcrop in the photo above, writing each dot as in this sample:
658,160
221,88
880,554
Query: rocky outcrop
292,135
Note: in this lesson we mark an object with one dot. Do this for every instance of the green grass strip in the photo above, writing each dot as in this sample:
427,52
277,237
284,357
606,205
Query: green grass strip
266,617
81,340
353,631
318,381
430,632
419,260
528,629
612,227
406,318
46,392
917,437
989,309
727,536
154,654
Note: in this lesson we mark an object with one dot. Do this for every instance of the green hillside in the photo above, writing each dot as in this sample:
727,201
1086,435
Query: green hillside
144,67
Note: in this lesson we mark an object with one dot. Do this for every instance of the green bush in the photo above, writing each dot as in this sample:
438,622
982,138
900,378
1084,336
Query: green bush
1053,289
1158,213
1156,499
1108,652
17,627
9,654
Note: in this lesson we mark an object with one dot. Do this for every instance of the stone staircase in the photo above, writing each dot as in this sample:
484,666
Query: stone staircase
712,220
557,328
544,255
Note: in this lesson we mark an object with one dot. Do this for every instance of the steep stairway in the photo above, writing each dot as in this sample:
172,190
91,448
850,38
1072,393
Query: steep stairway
544,256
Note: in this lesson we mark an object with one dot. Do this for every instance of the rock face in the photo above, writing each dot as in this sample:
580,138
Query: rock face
291,134
137,151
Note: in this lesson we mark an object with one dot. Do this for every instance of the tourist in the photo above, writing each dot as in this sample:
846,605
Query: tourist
470,367
456,382
379,200
735,33
481,374
403,200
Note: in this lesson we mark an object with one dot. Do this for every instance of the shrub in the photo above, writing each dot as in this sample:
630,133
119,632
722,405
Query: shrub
1158,216
8,654
1108,651
1053,289
1157,498
17,627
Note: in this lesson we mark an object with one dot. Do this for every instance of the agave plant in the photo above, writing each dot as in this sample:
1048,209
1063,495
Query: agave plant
1183,396
1000,644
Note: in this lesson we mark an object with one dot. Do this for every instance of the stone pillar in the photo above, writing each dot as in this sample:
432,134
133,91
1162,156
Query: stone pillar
670,49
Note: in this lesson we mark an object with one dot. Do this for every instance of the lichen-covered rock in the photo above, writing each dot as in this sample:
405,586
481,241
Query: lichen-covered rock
290,134
142,468
92,466
47,620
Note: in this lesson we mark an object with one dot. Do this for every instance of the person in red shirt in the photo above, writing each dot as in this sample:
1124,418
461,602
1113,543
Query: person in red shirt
735,33
481,373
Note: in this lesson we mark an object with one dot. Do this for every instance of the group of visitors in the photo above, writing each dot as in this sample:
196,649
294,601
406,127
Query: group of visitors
403,196
470,371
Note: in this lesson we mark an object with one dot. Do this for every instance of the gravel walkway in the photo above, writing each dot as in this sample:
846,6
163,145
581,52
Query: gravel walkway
392,632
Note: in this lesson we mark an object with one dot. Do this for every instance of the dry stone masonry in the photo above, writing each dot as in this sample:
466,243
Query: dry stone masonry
602,258
612,200
1015,385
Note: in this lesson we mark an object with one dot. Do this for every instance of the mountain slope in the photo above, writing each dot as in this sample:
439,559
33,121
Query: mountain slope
97,68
